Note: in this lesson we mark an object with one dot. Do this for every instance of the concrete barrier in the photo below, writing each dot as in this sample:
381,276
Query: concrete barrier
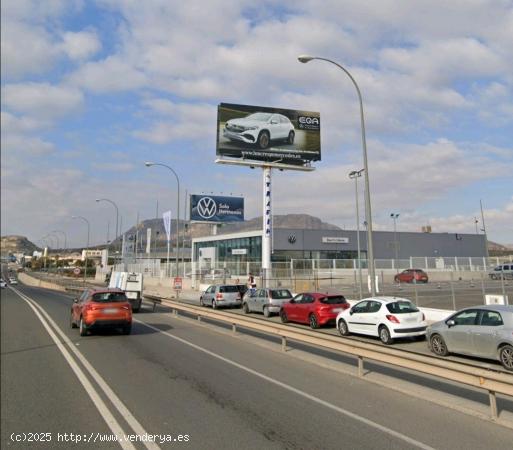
30,281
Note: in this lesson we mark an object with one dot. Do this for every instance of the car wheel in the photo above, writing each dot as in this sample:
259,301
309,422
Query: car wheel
342,328
506,357
384,335
82,327
283,316
214,304
438,345
127,329
397,280
263,139
201,302
290,139
493,277
72,324
245,308
267,313
314,323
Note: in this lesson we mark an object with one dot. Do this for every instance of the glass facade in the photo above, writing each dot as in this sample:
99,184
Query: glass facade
253,247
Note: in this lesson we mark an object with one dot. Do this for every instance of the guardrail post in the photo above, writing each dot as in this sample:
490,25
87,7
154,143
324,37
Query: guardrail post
199,318
452,293
360,366
283,344
234,328
493,404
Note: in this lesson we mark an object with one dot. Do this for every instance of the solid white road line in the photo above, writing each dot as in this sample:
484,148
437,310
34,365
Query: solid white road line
102,408
317,400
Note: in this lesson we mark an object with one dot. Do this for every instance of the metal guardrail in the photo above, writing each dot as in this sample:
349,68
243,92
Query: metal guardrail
487,379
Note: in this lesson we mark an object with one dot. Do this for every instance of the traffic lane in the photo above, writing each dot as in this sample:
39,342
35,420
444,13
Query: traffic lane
203,394
39,391
407,344
172,393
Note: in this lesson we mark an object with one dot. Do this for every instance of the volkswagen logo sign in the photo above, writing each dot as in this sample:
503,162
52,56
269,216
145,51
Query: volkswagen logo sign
207,207
292,239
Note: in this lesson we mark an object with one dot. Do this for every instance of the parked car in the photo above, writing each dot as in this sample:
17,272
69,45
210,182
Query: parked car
313,308
411,276
266,301
504,271
101,308
221,295
13,280
260,128
482,331
3,284
384,317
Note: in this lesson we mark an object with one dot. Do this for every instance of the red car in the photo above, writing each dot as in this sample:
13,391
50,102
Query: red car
411,276
313,308
101,308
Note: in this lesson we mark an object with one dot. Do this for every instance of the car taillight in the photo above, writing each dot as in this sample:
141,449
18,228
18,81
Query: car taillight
392,318
125,307
219,296
90,307
346,305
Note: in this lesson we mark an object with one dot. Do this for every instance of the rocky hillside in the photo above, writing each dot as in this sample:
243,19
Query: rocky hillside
17,244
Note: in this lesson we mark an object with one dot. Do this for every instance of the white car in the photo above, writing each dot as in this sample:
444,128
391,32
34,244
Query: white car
260,128
13,280
3,284
384,317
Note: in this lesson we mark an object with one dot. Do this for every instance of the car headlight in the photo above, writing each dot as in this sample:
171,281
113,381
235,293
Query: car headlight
251,128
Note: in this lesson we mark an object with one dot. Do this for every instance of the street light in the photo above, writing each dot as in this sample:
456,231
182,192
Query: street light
87,248
149,164
355,174
395,216
368,214
65,238
117,212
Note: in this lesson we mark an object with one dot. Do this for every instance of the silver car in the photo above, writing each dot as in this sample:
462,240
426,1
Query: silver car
504,271
221,295
266,301
481,331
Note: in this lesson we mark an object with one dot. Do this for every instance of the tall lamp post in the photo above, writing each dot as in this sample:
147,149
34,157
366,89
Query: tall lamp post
87,248
117,213
368,213
355,174
149,164
65,238
394,217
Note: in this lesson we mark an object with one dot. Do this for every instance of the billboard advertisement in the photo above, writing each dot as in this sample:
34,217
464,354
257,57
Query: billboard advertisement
267,134
215,208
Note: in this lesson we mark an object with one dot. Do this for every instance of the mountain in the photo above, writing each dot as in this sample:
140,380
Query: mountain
17,244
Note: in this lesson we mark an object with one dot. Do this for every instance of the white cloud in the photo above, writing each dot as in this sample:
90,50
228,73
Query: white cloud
42,99
81,45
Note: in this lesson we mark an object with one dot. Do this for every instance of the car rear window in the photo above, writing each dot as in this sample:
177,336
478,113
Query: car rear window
402,307
108,297
228,289
333,300
278,294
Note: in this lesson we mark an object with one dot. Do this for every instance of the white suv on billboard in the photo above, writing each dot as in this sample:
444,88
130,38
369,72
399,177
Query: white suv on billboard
260,128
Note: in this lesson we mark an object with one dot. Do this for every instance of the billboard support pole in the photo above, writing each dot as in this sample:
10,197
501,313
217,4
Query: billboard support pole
266,226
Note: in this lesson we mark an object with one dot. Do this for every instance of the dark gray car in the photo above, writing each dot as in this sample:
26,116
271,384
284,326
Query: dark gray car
481,331
221,295
266,301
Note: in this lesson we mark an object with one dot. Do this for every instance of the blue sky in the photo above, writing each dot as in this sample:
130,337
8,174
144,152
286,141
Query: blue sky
92,89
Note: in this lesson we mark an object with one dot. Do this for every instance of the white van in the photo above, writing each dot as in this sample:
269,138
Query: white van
132,284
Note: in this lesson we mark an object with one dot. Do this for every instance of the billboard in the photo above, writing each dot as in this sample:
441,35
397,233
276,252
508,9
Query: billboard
215,208
267,134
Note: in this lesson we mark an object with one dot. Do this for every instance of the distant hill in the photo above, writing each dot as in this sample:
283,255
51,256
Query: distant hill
194,230
17,244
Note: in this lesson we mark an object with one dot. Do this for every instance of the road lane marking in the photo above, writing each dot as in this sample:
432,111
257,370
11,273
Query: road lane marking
102,408
299,392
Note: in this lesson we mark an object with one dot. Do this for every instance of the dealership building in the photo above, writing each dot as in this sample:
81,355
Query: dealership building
289,244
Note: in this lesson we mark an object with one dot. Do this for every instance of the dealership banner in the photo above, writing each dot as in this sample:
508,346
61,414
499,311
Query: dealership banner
215,208
166,217
274,135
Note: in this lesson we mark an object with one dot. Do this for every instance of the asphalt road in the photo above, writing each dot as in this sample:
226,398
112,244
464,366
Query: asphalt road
173,377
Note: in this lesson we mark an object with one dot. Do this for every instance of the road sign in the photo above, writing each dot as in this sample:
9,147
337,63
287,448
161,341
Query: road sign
76,270
177,282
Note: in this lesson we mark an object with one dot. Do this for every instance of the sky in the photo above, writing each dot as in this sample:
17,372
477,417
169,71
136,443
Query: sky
93,89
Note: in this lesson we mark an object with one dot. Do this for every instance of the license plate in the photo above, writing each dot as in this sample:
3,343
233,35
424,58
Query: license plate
110,310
